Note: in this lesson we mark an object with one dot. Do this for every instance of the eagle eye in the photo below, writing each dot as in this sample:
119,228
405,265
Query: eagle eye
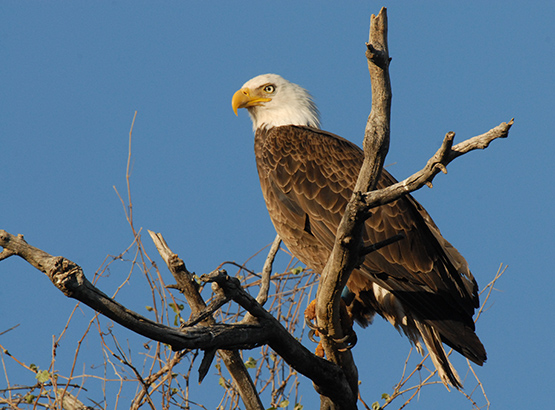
269,89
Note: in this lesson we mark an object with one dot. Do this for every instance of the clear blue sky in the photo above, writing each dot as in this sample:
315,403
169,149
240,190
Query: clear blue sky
73,73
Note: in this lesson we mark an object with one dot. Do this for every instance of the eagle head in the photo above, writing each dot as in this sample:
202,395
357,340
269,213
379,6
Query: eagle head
272,101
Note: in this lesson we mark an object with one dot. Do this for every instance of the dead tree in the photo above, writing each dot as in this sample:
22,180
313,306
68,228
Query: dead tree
335,379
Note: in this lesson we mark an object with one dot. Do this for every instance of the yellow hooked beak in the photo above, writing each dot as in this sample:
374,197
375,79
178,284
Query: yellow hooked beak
245,98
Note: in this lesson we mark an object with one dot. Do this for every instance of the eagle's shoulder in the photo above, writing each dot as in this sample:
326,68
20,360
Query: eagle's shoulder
299,147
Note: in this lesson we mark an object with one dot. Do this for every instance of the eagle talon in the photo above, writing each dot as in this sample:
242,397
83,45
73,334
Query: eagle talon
350,340
309,316
310,325
312,336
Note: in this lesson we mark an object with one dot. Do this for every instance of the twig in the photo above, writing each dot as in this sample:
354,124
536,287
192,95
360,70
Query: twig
8,330
489,287
267,272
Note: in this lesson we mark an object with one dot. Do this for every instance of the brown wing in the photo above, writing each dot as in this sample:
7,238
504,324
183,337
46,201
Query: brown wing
307,177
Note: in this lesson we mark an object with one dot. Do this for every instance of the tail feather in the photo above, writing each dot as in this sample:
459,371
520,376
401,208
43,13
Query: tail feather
445,369
420,332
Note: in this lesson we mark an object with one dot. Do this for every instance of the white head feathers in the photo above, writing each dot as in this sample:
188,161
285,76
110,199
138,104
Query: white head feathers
273,101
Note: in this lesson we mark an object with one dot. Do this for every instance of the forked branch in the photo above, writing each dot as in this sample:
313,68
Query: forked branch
69,278
444,155
231,358
346,253
348,247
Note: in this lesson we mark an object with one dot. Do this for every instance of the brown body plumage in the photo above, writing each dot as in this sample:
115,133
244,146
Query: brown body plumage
421,284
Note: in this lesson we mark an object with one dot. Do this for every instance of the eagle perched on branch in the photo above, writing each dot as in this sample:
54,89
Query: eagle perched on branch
420,284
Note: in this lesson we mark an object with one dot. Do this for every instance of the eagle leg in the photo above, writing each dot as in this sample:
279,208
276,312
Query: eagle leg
350,338
309,316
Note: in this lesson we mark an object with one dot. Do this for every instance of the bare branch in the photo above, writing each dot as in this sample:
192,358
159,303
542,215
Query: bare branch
70,402
185,280
348,248
266,275
190,289
329,379
346,254
444,155
267,272
70,279
374,247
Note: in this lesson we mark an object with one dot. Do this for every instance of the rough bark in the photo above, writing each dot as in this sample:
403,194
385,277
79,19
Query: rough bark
347,250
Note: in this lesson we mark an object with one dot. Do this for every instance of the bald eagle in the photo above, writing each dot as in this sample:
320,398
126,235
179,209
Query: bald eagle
420,284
